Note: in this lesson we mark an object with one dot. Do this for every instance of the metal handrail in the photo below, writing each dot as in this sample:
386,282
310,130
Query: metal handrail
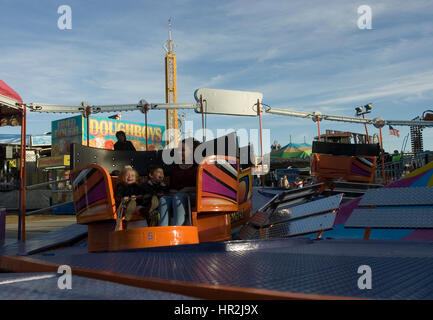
34,186
395,170
50,207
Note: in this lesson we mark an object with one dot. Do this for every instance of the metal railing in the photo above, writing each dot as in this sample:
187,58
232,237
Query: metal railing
50,207
398,169
37,185
57,205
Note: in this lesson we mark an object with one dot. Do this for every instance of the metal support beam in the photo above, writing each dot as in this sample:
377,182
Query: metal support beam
312,115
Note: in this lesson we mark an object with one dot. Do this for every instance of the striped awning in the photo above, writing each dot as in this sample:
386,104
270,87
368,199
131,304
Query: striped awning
10,106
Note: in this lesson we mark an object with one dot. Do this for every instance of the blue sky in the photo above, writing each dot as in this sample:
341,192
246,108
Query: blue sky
302,55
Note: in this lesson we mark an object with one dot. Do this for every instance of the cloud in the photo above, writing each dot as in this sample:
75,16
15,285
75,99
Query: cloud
302,57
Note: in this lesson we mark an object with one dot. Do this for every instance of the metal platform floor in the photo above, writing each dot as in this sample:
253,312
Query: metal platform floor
279,267
43,286
62,237
400,269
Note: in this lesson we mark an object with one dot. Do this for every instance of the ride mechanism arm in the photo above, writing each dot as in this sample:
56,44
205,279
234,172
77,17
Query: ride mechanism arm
377,122
143,105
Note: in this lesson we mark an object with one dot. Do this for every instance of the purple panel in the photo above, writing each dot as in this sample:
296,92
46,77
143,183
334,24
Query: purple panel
407,182
97,193
345,211
420,235
212,186
359,171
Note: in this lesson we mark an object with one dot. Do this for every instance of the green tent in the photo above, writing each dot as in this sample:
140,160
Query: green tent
293,151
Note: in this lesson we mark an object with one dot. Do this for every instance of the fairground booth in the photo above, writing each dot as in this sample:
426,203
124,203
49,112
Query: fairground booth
13,113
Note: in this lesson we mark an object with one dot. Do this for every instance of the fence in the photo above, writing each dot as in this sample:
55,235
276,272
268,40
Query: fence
398,169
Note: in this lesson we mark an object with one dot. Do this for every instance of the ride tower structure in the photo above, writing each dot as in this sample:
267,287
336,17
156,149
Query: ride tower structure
171,91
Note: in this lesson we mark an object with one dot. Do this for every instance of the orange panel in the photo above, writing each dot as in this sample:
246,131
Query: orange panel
243,215
152,237
217,203
98,235
96,212
334,167
214,227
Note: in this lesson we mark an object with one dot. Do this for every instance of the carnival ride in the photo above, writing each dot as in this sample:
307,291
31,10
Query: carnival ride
223,197
335,157
271,261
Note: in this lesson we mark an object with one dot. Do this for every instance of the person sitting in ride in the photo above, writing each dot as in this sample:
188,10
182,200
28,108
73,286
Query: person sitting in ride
128,190
153,189
183,181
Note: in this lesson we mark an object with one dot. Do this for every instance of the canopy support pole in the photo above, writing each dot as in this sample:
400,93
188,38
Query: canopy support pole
88,113
146,109
22,213
366,130
202,119
261,139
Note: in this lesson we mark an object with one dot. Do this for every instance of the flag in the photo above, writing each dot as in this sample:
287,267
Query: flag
393,132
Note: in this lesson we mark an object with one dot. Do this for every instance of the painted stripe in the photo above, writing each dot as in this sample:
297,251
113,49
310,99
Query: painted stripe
222,176
358,170
88,185
245,179
218,180
366,162
361,165
84,192
212,185
224,165
213,195
99,192
82,177
227,172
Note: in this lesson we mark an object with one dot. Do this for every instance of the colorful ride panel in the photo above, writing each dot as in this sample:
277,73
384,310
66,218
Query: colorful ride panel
223,201
350,162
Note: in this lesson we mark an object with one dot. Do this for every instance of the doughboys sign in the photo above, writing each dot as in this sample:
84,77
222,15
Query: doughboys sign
103,134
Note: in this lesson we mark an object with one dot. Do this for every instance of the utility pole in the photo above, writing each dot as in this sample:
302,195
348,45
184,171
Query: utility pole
170,91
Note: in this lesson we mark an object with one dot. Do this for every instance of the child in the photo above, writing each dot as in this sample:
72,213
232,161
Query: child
128,189
153,189
155,185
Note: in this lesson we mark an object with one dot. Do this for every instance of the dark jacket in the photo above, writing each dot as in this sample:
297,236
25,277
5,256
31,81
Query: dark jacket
127,190
183,178
152,188
127,145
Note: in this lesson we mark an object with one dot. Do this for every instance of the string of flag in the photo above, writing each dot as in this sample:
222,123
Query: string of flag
394,132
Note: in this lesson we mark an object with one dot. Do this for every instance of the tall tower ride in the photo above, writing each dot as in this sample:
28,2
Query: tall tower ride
170,90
